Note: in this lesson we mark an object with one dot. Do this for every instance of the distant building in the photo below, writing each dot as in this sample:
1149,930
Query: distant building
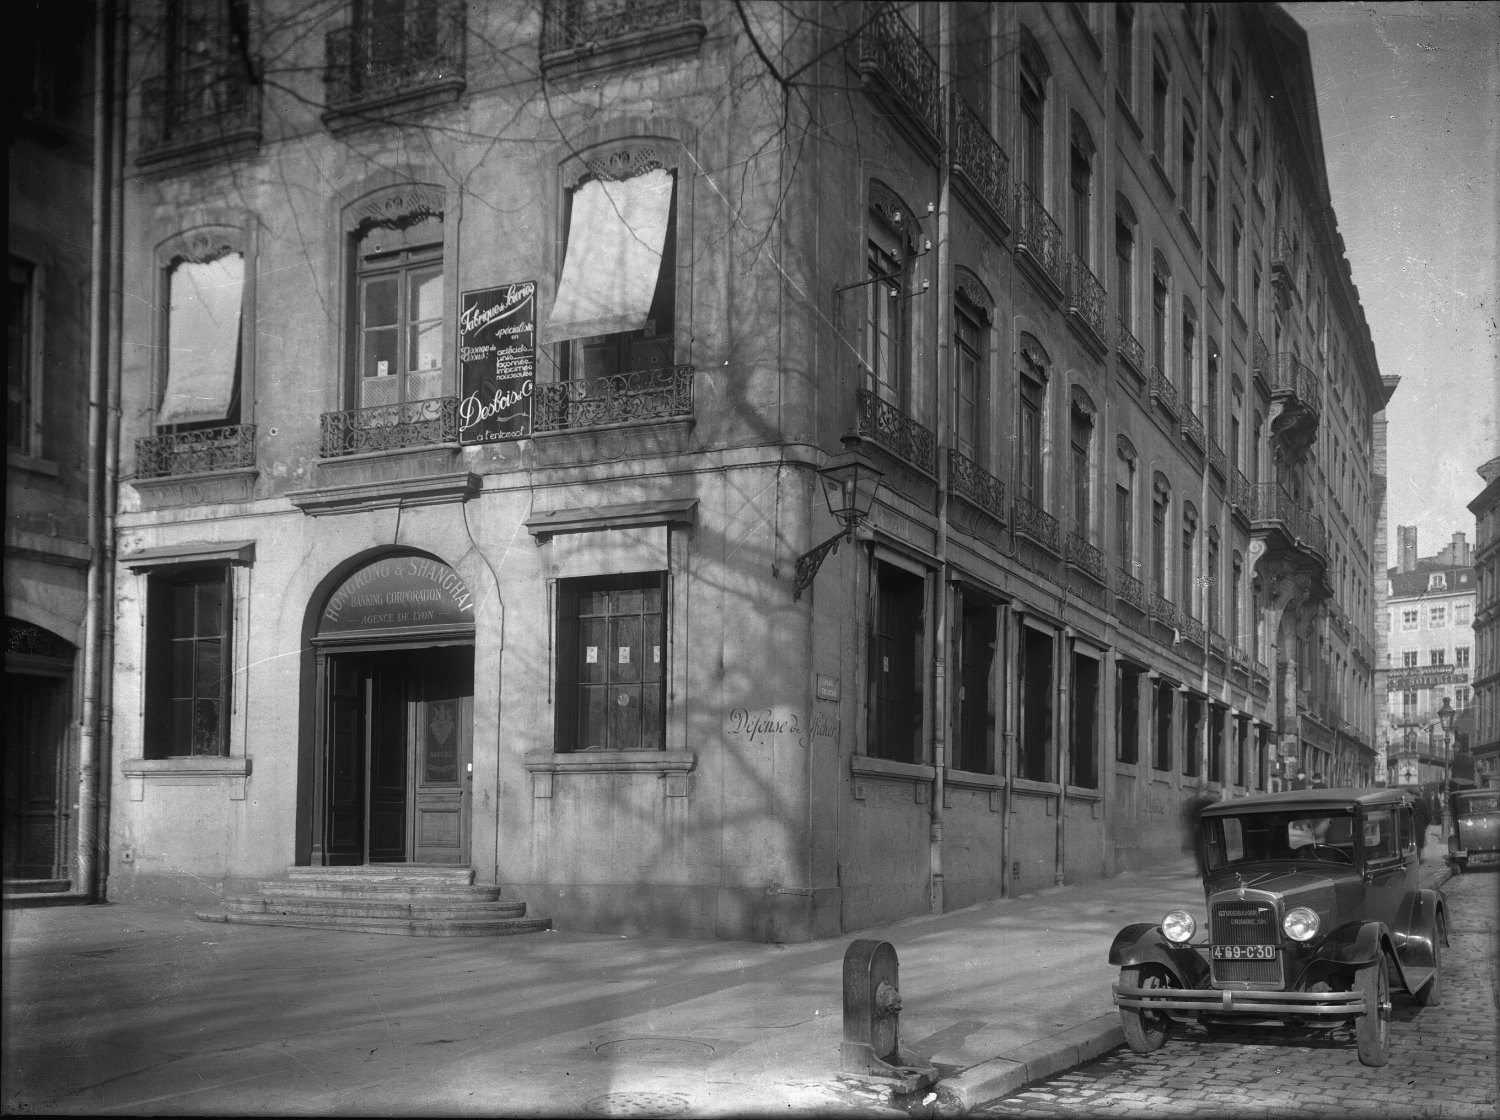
1486,707
1430,604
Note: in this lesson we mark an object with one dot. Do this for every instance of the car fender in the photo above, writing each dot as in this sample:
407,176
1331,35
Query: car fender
1352,945
1143,943
1425,913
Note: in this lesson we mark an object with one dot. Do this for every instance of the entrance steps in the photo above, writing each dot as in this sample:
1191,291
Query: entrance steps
415,900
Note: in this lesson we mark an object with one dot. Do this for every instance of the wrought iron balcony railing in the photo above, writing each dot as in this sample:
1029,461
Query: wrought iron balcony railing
1216,458
589,25
1129,347
1192,630
1163,392
897,432
1162,610
1034,522
1192,427
389,427
1261,358
637,397
1240,493
1291,378
1274,504
1238,657
195,452
1086,298
1085,557
1039,235
1260,669
404,50
1131,590
978,157
197,105
1217,643
890,53
968,480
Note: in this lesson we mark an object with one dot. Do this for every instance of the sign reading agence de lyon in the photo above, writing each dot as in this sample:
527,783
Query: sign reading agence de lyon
497,361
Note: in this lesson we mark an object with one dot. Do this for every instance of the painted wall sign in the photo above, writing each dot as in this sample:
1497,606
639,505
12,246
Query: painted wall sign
399,593
1430,676
497,357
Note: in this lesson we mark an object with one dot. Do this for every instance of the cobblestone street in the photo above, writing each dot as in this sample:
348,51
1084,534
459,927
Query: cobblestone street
1443,1059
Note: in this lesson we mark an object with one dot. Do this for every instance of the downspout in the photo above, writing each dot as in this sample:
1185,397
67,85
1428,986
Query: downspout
85,885
1064,724
1011,620
945,410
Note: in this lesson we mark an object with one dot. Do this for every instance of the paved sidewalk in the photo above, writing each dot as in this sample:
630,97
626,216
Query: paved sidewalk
118,1009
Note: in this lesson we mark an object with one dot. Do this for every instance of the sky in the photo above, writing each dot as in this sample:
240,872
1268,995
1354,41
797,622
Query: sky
1409,104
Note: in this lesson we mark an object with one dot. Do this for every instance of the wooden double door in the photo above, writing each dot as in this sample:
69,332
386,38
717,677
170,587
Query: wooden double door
399,755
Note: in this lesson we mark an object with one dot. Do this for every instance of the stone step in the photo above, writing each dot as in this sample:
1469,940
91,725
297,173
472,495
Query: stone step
273,902
405,927
384,873
37,886
376,889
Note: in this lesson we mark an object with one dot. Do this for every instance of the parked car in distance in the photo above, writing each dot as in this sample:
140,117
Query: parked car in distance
1475,839
1314,917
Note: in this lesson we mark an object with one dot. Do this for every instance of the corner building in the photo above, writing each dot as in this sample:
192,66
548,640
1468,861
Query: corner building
485,363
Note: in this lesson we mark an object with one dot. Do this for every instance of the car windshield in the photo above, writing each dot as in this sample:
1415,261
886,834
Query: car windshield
1479,803
1326,836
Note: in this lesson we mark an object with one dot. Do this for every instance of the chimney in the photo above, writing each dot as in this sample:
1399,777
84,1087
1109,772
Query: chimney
1460,551
1406,548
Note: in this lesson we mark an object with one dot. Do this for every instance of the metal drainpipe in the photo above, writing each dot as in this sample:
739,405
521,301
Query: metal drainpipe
1064,724
85,857
940,706
1007,623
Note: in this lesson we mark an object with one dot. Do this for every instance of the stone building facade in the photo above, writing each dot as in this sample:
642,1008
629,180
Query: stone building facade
495,371
1486,709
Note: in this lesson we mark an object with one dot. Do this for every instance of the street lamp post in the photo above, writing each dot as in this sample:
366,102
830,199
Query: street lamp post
1446,715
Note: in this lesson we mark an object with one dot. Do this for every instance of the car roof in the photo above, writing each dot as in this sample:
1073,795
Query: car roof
1309,799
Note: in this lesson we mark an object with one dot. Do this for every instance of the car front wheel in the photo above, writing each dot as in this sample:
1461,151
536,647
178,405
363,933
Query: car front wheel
1145,1030
1372,1032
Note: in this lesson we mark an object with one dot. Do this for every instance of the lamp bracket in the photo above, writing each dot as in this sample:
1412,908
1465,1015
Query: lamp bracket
809,562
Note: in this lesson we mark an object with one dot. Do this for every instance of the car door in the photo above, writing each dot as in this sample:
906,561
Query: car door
1386,863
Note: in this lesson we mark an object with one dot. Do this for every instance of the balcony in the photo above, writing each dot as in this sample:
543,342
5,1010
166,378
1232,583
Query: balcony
1241,496
1086,303
1217,459
979,160
196,452
1192,631
389,427
896,432
1163,392
616,400
1129,348
1031,521
580,35
1295,406
1284,266
1294,539
898,69
410,58
1039,238
1130,590
198,114
1163,611
1084,556
1192,429
1239,658
975,485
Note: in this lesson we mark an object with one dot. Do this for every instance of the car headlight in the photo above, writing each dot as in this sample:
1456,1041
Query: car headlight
1179,926
1301,923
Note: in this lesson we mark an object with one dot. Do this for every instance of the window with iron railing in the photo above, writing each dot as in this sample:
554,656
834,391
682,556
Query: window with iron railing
207,95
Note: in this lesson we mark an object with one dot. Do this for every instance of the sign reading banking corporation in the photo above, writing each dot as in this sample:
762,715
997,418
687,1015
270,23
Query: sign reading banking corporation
400,593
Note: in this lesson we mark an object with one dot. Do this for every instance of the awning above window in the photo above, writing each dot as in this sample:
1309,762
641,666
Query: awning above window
615,239
203,339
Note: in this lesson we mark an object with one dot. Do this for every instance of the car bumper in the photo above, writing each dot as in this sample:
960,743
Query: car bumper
1318,1005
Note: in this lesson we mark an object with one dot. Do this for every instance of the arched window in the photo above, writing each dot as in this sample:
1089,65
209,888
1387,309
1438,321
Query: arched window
1032,121
1161,286
1189,551
973,312
1125,468
1161,502
890,249
1031,420
1080,441
1081,189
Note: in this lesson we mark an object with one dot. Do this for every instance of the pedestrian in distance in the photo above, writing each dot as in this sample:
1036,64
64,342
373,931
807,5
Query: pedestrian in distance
1300,781
1317,780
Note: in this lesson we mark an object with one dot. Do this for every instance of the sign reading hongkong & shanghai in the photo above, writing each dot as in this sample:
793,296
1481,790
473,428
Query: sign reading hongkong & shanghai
1430,676
399,593
497,357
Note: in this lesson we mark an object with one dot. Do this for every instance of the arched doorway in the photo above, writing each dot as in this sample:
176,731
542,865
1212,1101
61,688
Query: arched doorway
38,710
394,648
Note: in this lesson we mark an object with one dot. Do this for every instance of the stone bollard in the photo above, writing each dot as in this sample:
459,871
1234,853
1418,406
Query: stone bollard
872,1009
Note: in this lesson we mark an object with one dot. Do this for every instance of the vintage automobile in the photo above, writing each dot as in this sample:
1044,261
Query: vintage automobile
1314,917
1475,839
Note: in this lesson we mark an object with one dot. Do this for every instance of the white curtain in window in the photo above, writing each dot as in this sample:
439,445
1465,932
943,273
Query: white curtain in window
203,338
615,240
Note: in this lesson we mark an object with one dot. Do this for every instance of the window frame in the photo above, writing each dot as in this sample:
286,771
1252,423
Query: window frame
163,646
891,249
894,710
27,358
1032,384
974,738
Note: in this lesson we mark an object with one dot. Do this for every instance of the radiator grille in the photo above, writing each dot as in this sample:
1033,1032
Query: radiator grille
1245,923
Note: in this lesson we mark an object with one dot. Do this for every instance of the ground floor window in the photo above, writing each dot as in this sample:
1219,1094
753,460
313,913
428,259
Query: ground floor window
611,679
1166,697
1241,750
1083,740
1035,761
188,661
896,638
1127,713
1216,744
1192,734
974,739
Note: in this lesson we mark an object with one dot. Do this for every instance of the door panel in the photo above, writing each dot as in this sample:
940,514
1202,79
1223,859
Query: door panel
386,705
442,720
346,765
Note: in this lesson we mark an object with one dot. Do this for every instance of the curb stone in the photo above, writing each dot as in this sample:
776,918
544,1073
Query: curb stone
1004,1075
